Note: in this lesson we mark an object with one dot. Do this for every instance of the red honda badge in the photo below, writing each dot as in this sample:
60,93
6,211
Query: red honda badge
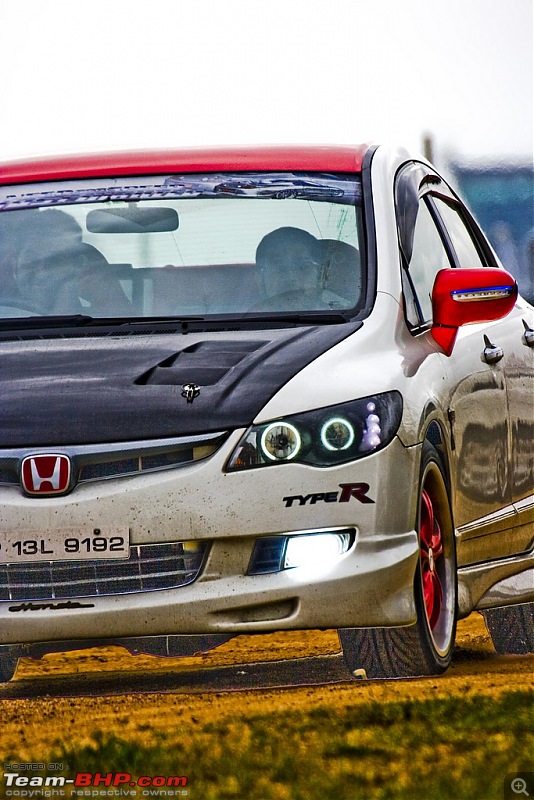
46,474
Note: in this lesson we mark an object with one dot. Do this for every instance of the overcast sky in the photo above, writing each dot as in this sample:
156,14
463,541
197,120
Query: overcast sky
121,74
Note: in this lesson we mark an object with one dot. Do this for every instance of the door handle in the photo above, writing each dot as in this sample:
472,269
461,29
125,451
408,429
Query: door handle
528,336
491,353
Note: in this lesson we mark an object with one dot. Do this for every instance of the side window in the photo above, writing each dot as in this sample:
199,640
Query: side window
466,251
428,257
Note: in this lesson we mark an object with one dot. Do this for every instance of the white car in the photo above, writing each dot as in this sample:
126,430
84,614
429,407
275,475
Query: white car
229,411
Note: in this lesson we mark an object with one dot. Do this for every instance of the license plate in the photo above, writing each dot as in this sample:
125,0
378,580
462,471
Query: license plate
64,544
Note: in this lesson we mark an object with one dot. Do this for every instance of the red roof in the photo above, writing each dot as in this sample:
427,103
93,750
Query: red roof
323,158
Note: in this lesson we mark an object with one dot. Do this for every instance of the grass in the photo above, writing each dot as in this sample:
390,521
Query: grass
441,749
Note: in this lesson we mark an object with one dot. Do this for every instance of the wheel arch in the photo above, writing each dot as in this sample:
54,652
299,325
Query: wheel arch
435,434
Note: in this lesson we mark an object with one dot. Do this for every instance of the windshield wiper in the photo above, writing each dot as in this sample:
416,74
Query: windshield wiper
81,320
320,317
183,322
59,321
155,320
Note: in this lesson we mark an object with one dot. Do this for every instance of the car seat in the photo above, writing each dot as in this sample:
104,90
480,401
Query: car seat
341,270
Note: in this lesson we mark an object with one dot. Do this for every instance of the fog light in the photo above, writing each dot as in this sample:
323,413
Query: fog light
315,550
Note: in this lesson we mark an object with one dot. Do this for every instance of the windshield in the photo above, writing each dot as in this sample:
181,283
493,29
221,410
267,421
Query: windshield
182,245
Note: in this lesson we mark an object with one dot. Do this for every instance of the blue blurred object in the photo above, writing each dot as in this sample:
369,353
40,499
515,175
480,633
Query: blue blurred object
502,199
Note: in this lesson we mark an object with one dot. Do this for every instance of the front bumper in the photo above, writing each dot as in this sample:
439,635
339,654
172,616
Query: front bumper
369,586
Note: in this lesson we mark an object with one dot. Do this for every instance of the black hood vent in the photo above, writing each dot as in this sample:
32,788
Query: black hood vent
204,363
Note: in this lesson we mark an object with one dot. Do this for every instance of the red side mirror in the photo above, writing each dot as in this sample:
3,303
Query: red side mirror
461,296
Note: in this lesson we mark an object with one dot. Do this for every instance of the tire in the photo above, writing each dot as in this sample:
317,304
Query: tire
511,628
8,663
426,647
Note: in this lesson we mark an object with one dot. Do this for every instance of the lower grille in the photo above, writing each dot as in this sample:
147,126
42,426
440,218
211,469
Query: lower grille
149,567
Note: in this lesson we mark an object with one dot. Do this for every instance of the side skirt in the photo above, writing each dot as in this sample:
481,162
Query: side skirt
505,581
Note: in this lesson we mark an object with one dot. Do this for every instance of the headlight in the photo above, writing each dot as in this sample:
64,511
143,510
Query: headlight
322,438
280,441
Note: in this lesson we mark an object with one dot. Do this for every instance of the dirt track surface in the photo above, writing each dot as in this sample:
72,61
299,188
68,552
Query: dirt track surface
69,696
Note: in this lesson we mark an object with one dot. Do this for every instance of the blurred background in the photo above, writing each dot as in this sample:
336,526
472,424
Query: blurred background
450,78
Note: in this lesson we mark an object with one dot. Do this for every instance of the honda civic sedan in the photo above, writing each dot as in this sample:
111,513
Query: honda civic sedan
253,390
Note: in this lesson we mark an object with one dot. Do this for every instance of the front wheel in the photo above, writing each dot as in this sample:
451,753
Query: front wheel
426,647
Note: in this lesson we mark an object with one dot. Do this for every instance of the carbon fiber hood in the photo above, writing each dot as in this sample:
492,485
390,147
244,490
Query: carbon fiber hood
89,389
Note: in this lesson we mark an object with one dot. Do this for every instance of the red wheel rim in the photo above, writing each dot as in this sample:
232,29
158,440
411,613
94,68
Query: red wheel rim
431,543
